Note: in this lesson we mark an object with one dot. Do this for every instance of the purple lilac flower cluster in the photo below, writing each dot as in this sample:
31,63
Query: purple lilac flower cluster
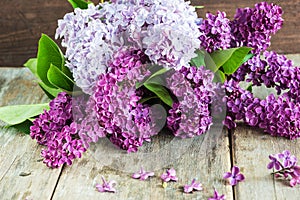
215,32
285,166
273,70
250,27
276,116
165,30
125,121
253,26
194,89
56,130
88,45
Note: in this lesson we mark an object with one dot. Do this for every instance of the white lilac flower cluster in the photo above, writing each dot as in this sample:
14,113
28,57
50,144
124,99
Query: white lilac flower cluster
165,30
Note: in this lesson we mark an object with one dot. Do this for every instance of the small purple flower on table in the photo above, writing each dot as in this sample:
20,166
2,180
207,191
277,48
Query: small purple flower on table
234,176
286,167
193,186
107,186
217,196
170,175
142,175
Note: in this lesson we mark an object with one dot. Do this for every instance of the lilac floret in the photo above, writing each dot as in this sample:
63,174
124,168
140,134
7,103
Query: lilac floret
194,186
142,175
170,175
234,176
107,186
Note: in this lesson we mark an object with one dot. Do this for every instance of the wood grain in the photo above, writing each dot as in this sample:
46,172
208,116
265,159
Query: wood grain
251,150
22,175
22,23
205,158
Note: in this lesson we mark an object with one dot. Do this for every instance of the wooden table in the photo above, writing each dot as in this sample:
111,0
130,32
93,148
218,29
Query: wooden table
23,175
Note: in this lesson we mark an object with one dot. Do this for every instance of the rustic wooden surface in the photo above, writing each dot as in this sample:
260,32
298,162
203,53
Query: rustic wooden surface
22,23
22,174
251,150
206,158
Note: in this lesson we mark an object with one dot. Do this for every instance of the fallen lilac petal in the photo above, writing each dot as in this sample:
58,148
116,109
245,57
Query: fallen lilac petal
142,175
170,175
193,186
234,176
106,186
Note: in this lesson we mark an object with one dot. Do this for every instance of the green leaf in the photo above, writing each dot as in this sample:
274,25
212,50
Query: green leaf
49,91
230,59
219,76
249,88
48,53
236,60
57,78
199,59
24,127
247,57
79,4
19,113
161,92
210,63
67,72
32,65
159,72
147,99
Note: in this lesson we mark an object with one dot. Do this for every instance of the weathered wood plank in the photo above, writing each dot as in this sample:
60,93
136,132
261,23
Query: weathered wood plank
251,150
21,173
205,158
22,23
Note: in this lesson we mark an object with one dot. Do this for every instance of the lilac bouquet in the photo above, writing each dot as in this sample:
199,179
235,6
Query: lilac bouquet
133,69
